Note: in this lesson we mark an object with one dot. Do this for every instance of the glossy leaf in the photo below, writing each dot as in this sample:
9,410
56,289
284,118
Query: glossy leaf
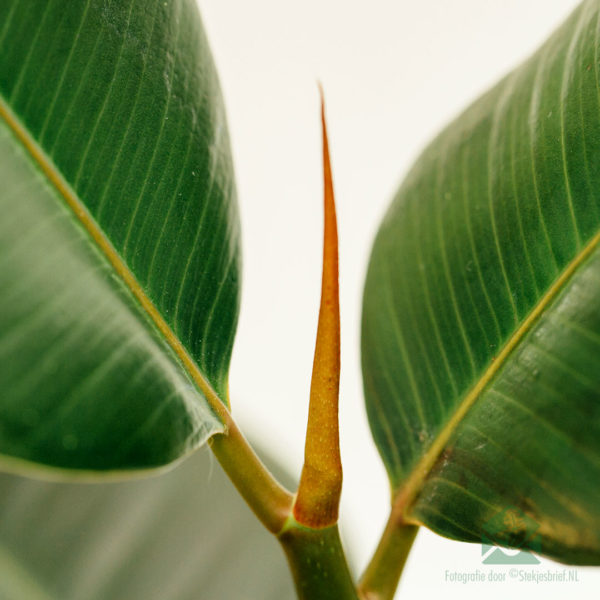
481,323
119,240
184,535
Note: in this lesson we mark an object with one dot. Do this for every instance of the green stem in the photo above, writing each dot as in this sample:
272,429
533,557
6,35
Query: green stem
380,580
317,562
269,500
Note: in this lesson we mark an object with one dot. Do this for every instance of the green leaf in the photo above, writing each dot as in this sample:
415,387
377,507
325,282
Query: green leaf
184,535
481,322
119,241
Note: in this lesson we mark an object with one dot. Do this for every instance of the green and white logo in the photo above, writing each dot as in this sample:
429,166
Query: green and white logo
510,527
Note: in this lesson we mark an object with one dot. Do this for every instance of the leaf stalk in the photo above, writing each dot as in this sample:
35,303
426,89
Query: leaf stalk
382,575
267,498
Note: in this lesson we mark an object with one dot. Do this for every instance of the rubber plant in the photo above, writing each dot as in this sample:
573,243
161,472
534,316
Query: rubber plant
120,283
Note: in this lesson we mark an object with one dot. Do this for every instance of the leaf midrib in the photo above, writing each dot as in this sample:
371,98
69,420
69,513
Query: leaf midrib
40,158
406,494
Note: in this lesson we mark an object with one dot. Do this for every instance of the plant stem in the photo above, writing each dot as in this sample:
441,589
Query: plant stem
269,500
380,580
317,562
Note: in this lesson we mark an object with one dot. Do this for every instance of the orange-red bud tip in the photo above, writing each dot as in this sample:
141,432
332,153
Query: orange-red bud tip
319,492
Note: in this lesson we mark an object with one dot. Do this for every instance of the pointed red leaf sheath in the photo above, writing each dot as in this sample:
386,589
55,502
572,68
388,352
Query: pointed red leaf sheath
320,486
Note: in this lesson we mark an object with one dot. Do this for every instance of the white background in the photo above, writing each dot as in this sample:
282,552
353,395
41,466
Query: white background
394,72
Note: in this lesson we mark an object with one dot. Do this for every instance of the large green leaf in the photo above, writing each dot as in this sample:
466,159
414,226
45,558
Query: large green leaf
481,323
119,237
137,540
